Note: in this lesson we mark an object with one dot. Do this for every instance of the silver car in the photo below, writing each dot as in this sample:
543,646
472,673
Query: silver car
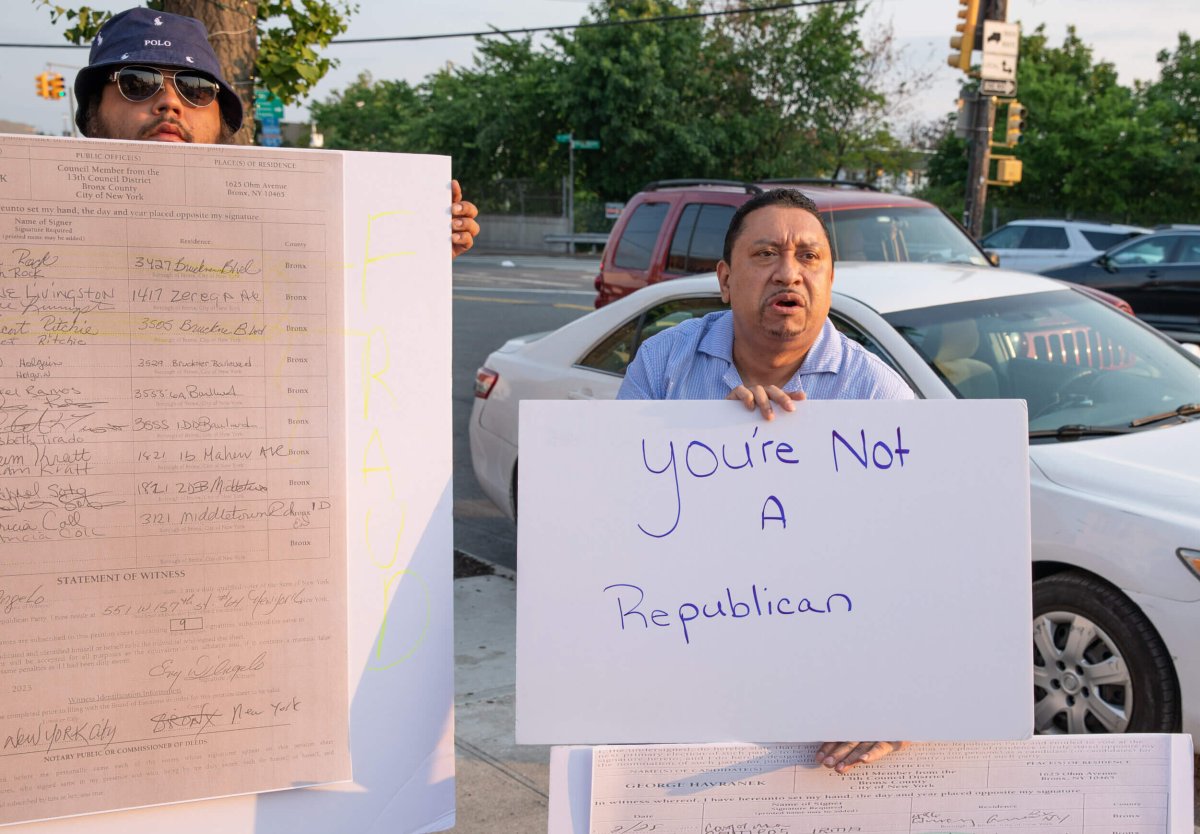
1038,245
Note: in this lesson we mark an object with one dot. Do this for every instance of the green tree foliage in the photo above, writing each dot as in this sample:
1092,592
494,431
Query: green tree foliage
1094,148
743,96
643,91
946,169
1173,105
284,37
782,73
1085,141
369,115
497,118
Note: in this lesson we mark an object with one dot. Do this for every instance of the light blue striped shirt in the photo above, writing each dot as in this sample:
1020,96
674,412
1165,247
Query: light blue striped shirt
694,361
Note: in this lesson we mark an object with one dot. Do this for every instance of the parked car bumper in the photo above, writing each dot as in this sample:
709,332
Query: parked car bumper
493,459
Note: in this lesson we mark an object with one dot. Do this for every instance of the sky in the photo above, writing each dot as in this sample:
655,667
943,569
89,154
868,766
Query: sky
1128,33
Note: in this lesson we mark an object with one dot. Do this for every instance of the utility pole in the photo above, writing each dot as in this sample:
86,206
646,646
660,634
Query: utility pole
983,28
979,141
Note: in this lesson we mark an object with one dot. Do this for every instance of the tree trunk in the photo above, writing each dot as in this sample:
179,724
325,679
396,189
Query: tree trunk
233,32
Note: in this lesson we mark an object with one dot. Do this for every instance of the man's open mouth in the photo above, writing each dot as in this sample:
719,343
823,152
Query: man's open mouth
786,301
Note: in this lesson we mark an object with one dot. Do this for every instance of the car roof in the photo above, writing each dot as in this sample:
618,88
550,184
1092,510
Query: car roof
1175,230
827,197
840,199
1090,225
892,287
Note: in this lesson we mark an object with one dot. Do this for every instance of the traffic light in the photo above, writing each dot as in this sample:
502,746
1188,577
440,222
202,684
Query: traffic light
1016,124
56,86
43,84
964,41
1008,170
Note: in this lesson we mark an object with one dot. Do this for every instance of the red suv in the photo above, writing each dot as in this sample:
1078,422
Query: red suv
673,228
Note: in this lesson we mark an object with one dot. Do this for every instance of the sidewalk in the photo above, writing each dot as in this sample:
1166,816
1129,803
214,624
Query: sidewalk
502,788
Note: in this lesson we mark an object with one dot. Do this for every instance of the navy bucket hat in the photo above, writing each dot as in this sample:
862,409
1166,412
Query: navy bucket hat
157,39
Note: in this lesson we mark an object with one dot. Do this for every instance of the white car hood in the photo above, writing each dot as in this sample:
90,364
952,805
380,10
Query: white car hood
1155,471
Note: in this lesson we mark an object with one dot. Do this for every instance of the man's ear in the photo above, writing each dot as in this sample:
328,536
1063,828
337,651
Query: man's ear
723,276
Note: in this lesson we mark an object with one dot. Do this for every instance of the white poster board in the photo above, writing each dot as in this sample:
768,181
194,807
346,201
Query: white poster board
396,264
689,572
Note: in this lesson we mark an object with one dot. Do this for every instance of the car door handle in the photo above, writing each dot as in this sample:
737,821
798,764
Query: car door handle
581,394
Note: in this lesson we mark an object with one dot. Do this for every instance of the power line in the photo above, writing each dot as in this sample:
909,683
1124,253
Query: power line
599,24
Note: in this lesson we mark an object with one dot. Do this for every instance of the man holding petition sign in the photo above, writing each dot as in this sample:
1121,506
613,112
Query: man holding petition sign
774,346
153,76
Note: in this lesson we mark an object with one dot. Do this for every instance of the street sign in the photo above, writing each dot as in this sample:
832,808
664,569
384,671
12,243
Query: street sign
998,69
613,210
1000,38
1005,88
562,138
587,144
267,105
270,136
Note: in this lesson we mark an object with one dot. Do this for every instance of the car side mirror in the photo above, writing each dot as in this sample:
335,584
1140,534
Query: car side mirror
1106,262
993,257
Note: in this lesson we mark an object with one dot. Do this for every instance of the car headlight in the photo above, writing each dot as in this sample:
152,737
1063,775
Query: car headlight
1191,558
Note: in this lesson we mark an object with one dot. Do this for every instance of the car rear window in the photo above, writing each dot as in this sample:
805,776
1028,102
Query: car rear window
637,241
1006,237
1107,240
699,238
1146,252
1045,237
1190,252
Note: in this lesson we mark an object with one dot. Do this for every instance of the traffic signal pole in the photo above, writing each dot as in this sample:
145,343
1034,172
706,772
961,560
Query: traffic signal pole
979,143
980,102
70,97
51,86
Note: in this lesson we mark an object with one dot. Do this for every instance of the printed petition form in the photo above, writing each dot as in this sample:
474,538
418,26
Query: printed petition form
1120,784
172,519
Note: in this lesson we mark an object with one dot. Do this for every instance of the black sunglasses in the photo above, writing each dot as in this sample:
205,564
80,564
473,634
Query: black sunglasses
141,83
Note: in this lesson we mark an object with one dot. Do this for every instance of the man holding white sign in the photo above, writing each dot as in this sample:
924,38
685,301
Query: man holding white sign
775,346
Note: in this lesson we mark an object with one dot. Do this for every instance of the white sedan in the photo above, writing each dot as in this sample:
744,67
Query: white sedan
1114,428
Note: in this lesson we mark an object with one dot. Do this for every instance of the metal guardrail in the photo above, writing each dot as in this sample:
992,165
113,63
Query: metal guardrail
587,238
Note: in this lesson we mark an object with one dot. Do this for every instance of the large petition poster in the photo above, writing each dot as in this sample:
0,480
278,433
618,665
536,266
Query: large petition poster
175,552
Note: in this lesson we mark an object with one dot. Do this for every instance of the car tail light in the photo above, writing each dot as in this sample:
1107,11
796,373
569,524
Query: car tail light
485,381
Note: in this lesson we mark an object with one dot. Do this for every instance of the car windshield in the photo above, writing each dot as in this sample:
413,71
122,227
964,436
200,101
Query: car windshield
1077,362
901,233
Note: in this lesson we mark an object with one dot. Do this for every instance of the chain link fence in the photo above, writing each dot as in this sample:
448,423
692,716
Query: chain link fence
518,197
